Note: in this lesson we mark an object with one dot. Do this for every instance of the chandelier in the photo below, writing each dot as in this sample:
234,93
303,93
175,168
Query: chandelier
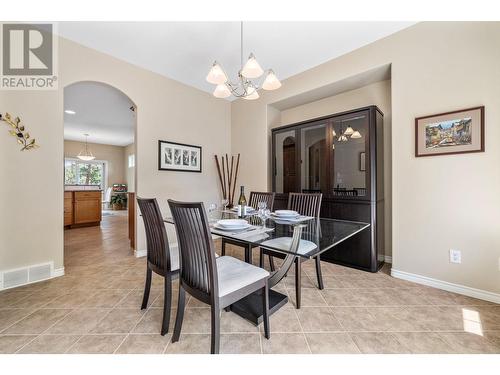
345,135
246,85
86,154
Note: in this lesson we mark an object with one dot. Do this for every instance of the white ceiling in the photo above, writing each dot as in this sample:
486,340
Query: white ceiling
102,111
184,51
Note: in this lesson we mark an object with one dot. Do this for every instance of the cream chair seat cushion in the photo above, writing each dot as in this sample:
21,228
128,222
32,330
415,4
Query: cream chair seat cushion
284,243
234,274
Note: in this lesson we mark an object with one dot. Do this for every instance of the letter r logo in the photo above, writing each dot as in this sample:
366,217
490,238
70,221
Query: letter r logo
27,49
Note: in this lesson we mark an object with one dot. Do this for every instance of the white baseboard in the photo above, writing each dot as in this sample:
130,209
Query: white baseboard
385,258
58,272
444,285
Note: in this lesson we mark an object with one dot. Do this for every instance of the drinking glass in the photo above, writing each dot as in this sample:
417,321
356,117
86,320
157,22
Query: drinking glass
224,202
211,209
264,214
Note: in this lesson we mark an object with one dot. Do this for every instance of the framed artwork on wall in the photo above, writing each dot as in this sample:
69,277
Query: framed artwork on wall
448,133
174,156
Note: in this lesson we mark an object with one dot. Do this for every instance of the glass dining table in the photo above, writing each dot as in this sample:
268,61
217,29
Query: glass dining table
303,238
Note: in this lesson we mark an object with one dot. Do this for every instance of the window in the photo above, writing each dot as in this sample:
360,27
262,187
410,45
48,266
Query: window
78,172
131,161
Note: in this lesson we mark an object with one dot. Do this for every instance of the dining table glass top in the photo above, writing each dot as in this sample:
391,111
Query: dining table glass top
318,235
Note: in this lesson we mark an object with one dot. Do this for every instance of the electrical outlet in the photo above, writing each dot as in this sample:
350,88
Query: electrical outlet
455,256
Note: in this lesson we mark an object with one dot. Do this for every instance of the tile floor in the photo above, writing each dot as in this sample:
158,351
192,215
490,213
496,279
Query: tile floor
95,308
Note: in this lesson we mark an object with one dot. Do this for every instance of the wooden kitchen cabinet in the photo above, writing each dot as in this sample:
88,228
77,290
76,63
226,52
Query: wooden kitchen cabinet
82,208
68,208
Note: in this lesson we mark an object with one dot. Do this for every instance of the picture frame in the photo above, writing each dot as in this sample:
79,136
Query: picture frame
180,157
362,161
455,132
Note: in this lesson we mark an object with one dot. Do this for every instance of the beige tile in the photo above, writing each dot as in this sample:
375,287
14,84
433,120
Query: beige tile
72,299
134,299
344,297
240,343
285,343
119,321
144,344
11,343
283,320
80,321
11,316
377,343
9,297
106,298
96,344
38,299
50,344
318,319
190,344
196,321
230,322
493,336
331,282
310,297
331,343
152,320
423,342
37,322
463,342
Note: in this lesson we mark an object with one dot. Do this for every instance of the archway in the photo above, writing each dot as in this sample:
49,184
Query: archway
99,172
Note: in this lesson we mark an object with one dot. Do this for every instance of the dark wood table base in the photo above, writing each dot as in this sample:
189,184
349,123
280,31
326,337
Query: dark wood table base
250,307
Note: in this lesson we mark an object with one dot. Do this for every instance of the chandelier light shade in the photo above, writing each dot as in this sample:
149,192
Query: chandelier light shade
349,131
252,94
252,68
222,91
86,154
356,134
216,75
271,82
245,87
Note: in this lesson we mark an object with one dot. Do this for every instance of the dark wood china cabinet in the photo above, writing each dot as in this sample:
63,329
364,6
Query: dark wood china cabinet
340,155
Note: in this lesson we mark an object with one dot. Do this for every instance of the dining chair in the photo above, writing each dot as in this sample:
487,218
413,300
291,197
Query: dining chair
218,282
161,259
307,204
255,198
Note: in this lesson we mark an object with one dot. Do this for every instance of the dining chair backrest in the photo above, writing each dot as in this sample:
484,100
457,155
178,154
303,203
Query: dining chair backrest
307,204
198,270
256,197
158,251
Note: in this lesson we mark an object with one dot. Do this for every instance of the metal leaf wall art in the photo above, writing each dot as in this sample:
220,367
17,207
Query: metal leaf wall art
17,130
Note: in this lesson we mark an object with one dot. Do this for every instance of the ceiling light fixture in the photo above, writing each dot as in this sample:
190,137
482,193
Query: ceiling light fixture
70,112
244,88
86,154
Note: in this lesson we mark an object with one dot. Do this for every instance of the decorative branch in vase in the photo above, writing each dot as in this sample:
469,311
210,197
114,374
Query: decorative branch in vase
228,180
18,131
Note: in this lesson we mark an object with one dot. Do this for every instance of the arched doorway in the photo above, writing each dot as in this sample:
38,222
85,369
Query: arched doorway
99,173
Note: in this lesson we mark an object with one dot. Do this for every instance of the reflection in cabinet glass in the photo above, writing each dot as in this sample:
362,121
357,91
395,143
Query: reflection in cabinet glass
340,156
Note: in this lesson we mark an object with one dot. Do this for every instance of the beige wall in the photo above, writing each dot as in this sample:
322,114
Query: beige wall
438,202
379,94
31,221
129,171
114,155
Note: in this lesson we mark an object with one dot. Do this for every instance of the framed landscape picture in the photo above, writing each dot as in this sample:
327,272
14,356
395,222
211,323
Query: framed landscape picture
447,133
178,157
